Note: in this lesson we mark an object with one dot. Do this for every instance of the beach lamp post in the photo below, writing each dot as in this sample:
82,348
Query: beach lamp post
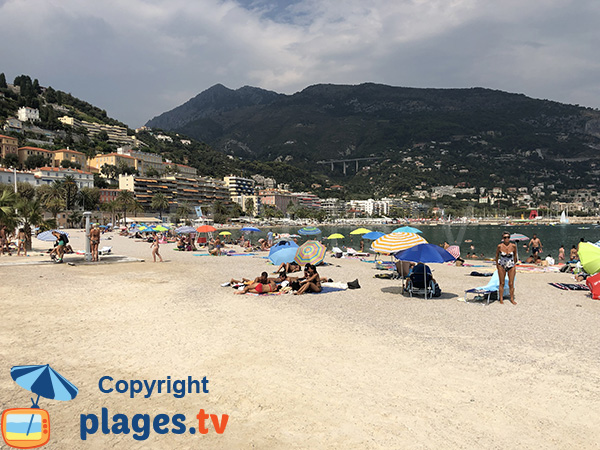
88,252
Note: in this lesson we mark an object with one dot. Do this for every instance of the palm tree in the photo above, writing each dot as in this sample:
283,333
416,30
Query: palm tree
160,202
75,218
52,197
30,215
88,198
112,207
183,210
7,209
70,189
125,201
249,204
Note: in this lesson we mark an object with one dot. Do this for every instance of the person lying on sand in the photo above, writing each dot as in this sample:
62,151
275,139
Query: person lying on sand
259,286
289,267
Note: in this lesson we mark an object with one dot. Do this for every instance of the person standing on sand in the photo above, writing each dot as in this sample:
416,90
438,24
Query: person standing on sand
506,260
155,246
536,246
21,241
561,253
94,242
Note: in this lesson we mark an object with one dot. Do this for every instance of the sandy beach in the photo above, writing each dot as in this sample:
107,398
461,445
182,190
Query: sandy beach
366,368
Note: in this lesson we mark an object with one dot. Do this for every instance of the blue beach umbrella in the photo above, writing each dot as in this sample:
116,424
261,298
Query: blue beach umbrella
286,254
250,229
48,236
45,382
425,253
373,235
185,229
309,231
407,229
281,245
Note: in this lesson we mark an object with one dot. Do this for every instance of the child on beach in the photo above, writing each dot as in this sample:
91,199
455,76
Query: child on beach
155,247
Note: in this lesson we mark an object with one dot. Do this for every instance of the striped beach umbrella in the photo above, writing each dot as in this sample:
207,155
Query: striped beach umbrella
312,252
454,250
309,231
395,242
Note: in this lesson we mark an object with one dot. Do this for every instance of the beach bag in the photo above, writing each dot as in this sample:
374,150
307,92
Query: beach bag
593,282
64,238
437,291
353,284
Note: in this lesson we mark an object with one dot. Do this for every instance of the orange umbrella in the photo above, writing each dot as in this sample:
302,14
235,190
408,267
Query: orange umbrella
205,229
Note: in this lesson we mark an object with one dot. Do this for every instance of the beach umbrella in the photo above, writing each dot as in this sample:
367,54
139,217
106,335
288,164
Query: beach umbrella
360,231
373,235
283,254
225,233
185,229
395,242
454,250
589,255
160,228
425,253
205,229
281,245
407,229
518,237
312,252
45,382
48,236
335,236
250,229
309,231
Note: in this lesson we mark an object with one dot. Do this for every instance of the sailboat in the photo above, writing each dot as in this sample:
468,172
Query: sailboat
563,217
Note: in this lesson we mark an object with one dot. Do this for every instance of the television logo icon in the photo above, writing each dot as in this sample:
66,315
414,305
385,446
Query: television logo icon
25,427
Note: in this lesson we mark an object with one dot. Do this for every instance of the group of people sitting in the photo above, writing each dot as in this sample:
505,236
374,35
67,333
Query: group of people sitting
309,282
185,243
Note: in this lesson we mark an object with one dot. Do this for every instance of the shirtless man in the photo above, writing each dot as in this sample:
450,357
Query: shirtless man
536,246
94,241
3,237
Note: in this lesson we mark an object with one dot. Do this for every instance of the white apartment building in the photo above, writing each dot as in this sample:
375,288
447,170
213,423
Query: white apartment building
48,175
370,207
26,113
7,176
239,186
334,207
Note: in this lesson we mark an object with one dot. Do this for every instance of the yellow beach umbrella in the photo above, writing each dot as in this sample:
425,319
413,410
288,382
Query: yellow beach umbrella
335,236
224,233
395,242
360,231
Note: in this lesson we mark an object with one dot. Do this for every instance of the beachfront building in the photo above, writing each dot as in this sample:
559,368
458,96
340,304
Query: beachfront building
244,200
49,175
25,113
278,198
26,152
239,186
8,146
264,182
370,207
193,191
334,207
308,200
73,156
108,195
7,176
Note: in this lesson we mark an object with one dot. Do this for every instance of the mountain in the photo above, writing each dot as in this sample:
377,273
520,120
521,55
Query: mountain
480,136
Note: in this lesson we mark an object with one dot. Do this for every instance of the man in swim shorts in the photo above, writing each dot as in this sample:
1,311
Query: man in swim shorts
536,246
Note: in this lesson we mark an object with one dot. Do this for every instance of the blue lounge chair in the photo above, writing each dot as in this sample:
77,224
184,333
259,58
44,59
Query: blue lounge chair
420,281
492,286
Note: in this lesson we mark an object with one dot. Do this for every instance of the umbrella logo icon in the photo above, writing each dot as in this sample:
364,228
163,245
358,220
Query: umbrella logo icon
30,427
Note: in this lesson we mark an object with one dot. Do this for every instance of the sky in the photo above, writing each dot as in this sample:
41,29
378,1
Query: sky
139,58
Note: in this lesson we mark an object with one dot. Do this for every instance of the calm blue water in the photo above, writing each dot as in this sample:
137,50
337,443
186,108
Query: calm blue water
484,238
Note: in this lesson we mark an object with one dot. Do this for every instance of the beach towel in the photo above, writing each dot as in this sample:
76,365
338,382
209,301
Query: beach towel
570,286
490,288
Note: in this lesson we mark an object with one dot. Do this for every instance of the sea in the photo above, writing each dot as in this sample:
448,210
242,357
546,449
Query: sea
480,239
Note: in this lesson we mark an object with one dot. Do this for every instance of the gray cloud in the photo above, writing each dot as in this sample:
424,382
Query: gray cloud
140,58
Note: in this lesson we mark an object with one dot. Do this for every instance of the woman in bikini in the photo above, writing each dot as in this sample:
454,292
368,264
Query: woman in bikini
506,260
155,247
260,285
22,238
312,282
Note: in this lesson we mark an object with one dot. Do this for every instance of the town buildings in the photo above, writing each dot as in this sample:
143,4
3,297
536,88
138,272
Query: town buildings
8,145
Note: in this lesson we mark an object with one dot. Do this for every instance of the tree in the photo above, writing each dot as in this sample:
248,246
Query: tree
70,190
102,136
25,190
125,201
36,161
30,215
88,198
52,197
152,172
249,204
7,208
111,207
219,212
3,84
160,203
183,210
75,218
109,170
11,160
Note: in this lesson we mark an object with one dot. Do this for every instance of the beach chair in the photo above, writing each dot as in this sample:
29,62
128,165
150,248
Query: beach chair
420,281
492,287
104,251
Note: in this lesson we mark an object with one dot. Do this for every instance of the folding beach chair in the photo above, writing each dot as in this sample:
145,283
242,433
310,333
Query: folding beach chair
492,287
420,281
